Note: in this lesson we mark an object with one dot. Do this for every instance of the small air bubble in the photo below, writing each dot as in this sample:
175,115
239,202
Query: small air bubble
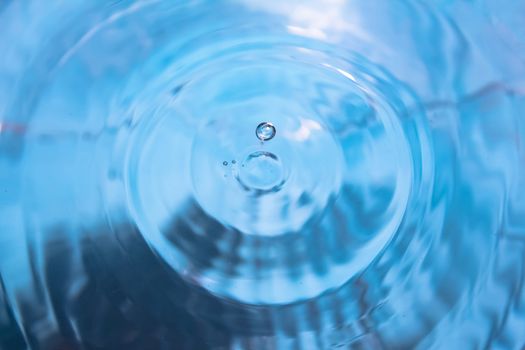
234,161
225,163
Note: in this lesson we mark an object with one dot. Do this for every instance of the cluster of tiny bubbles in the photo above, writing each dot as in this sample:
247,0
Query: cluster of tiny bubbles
249,174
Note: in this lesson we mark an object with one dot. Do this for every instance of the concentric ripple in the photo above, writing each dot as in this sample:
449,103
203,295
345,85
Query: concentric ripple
257,175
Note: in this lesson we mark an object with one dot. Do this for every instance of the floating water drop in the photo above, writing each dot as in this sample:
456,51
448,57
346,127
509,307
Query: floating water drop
225,163
265,131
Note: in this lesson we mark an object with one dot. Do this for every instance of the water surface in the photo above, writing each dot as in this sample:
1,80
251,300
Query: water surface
252,174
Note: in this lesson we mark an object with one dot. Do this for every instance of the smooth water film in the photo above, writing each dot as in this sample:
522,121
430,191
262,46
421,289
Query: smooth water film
259,174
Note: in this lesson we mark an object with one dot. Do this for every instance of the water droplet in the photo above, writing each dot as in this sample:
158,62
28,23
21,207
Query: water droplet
265,131
234,161
225,163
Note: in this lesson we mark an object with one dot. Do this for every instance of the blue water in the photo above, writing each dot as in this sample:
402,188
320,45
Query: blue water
382,206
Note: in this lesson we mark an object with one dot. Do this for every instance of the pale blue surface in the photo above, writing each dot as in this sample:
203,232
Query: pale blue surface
139,210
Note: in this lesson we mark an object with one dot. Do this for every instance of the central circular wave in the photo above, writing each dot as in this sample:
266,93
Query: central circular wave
241,174
338,141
